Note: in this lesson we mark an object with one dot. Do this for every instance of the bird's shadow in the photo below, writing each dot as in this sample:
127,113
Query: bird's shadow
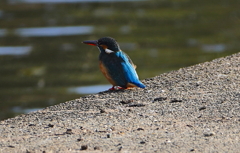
112,91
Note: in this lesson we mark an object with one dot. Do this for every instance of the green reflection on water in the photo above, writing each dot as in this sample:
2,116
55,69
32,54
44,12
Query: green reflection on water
159,36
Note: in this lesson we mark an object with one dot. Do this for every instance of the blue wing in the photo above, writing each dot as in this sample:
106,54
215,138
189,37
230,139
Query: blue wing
119,70
129,70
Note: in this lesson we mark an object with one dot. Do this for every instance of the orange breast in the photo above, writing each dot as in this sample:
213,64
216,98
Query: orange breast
106,74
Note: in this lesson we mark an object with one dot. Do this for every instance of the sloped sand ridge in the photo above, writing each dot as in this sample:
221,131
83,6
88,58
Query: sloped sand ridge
194,109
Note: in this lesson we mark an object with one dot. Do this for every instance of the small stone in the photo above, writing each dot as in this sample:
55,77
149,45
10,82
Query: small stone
50,125
142,142
79,139
102,111
84,147
108,135
159,99
140,129
126,102
69,131
10,146
208,133
96,148
120,148
136,105
202,108
175,100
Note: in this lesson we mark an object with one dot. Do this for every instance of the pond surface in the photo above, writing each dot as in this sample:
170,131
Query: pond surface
43,61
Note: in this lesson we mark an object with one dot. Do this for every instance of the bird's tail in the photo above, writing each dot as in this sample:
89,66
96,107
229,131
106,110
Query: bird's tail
141,85
136,84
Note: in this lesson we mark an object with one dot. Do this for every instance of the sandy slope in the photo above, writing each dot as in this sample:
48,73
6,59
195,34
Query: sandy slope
194,109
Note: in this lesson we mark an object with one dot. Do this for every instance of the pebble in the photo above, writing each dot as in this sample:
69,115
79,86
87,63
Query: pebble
69,131
84,147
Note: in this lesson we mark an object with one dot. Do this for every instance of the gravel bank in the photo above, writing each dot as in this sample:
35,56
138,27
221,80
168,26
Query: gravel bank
194,109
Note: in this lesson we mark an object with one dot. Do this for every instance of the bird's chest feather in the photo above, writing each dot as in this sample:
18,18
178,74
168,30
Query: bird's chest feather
111,67
110,61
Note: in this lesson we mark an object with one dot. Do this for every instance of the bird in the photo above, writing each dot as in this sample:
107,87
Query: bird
116,65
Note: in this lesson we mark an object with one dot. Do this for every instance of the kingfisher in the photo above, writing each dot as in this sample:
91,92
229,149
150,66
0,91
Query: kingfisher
116,65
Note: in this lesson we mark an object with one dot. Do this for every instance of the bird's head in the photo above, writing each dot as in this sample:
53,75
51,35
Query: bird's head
106,44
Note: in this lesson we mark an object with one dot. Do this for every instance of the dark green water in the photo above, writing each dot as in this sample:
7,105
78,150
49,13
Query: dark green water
159,36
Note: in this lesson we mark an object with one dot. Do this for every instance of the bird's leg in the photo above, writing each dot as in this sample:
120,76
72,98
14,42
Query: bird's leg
113,88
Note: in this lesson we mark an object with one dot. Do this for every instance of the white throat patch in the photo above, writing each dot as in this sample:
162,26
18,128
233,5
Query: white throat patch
108,51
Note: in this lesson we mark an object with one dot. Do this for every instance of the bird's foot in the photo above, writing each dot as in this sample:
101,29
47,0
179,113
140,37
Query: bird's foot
117,88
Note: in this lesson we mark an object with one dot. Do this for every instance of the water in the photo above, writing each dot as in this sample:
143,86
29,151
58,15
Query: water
16,50
3,32
89,89
54,31
43,61
70,1
21,110
214,48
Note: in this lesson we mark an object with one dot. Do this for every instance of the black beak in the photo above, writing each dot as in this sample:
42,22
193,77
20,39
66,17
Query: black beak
91,42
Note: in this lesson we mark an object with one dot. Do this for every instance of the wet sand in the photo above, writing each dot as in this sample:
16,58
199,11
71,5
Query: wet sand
193,109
